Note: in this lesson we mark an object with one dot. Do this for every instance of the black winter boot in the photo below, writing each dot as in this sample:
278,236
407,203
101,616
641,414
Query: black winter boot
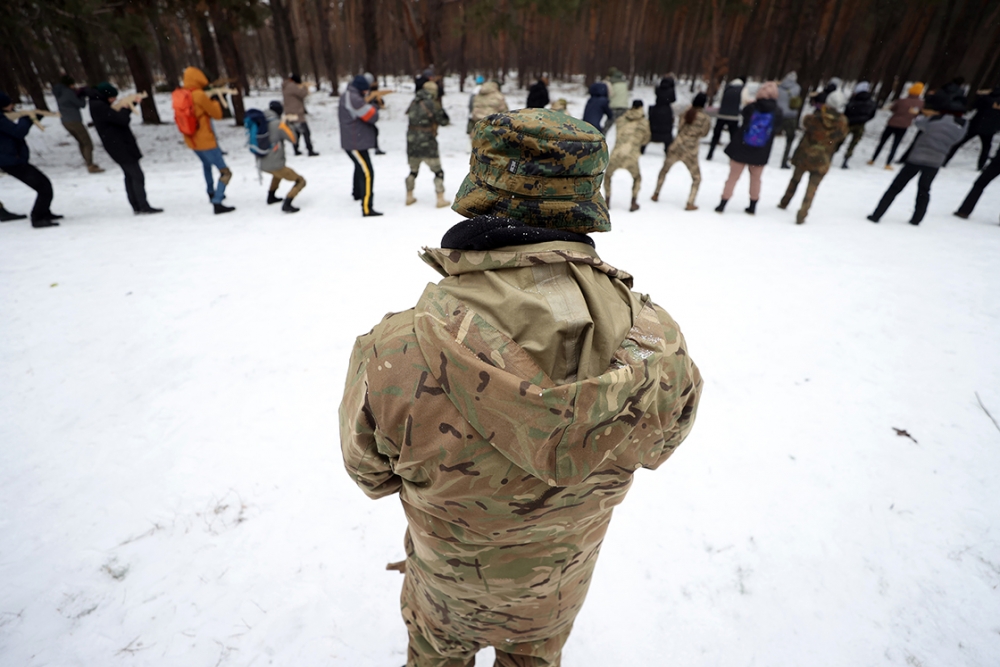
634,206
722,206
752,208
7,216
288,208
271,198
149,210
222,208
844,166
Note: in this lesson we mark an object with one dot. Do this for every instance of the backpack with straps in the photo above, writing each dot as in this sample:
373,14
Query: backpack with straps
184,114
258,137
759,130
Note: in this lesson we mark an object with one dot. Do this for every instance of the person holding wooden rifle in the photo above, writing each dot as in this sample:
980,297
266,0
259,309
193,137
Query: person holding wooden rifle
294,95
14,155
71,101
194,110
377,97
111,116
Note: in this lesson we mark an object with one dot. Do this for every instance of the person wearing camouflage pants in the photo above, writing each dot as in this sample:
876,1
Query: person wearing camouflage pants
511,407
633,132
824,132
694,125
426,114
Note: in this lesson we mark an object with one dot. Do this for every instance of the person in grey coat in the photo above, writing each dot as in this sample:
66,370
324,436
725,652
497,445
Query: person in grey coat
71,101
357,136
274,162
790,103
939,131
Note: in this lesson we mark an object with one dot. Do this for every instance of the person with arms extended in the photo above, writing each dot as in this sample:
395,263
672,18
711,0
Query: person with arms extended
357,137
598,108
661,114
984,124
903,110
860,109
273,162
511,407
790,103
112,127
631,136
823,133
425,114
14,156
751,145
941,127
71,101
695,124
193,113
294,95
728,116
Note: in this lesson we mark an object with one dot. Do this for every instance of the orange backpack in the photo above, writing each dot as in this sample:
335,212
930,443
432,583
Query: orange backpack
184,116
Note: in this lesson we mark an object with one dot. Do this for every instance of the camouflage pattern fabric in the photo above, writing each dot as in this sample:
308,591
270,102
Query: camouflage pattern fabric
425,114
856,132
434,164
633,132
823,134
815,178
487,102
539,166
685,149
508,478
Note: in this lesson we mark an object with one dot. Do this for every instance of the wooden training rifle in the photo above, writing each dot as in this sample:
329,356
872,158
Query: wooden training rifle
33,114
221,94
129,101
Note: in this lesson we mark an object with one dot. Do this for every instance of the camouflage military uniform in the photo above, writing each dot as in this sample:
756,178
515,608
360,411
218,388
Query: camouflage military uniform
632,134
823,134
510,409
487,102
685,149
426,114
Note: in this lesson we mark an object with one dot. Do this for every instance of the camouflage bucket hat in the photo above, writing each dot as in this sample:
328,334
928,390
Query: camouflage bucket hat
538,166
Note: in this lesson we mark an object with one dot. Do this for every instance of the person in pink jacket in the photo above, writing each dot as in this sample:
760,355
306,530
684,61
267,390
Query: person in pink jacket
904,110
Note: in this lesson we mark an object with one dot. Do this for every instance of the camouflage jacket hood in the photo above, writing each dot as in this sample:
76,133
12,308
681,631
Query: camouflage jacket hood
561,431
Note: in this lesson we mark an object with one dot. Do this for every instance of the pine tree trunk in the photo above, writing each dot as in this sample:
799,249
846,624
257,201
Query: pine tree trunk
279,9
167,60
89,58
230,56
369,29
463,71
326,45
143,79
206,45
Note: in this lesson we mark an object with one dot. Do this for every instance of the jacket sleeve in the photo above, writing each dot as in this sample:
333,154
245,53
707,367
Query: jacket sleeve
18,130
921,122
121,117
207,104
441,116
367,466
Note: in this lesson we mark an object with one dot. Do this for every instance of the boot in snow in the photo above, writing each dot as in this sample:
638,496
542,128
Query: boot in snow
410,199
222,208
272,198
844,166
722,206
313,154
888,167
752,208
656,196
690,207
44,221
634,207
288,208
871,162
371,214
800,218
94,169
442,202
873,218
7,216
149,210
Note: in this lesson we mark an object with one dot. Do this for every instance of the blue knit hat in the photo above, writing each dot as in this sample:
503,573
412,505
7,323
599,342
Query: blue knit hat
361,83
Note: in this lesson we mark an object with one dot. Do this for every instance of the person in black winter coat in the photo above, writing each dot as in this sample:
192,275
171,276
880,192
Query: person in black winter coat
14,155
728,116
661,114
538,94
751,145
598,106
984,124
860,109
991,171
113,128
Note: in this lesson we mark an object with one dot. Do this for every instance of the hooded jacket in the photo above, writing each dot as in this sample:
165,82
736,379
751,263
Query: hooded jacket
113,128
689,134
904,110
205,109
860,109
488,101
293,97
756,155
13,147
631,134
787,89
538,96
510,409
937,136
277,134
987,118
823,132
357,121
729,109
619,91
69,103
425,115
598,107
661,114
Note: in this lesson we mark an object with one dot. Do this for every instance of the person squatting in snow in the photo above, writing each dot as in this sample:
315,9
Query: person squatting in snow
511,422
425,115
632,134
273,162
694,125
14,156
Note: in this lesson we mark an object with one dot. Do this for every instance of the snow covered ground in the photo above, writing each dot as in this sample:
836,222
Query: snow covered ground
170,477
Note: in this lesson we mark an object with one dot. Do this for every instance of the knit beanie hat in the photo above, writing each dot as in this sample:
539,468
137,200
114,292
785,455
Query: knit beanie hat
276,107
636,104
916,89
538,166
66,80
297,78
106,90
431,88
837,101
560,105
369,77
699,100
768,91
4,100
736,82
361,83
862,87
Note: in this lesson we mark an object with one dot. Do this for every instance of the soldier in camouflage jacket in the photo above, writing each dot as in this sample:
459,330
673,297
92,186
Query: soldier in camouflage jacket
694,125
824,132
632,133
426,114
511,407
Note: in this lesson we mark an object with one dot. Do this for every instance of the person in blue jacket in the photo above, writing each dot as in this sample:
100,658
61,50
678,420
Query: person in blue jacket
598,106
14,156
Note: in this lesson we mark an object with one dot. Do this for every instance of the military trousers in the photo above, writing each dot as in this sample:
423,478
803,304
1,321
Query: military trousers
814,180
691,162
79,132
434,164
629,164
287,174
788,127
856,132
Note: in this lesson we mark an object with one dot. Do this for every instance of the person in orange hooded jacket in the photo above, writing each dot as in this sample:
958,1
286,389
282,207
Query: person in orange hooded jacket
203,141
